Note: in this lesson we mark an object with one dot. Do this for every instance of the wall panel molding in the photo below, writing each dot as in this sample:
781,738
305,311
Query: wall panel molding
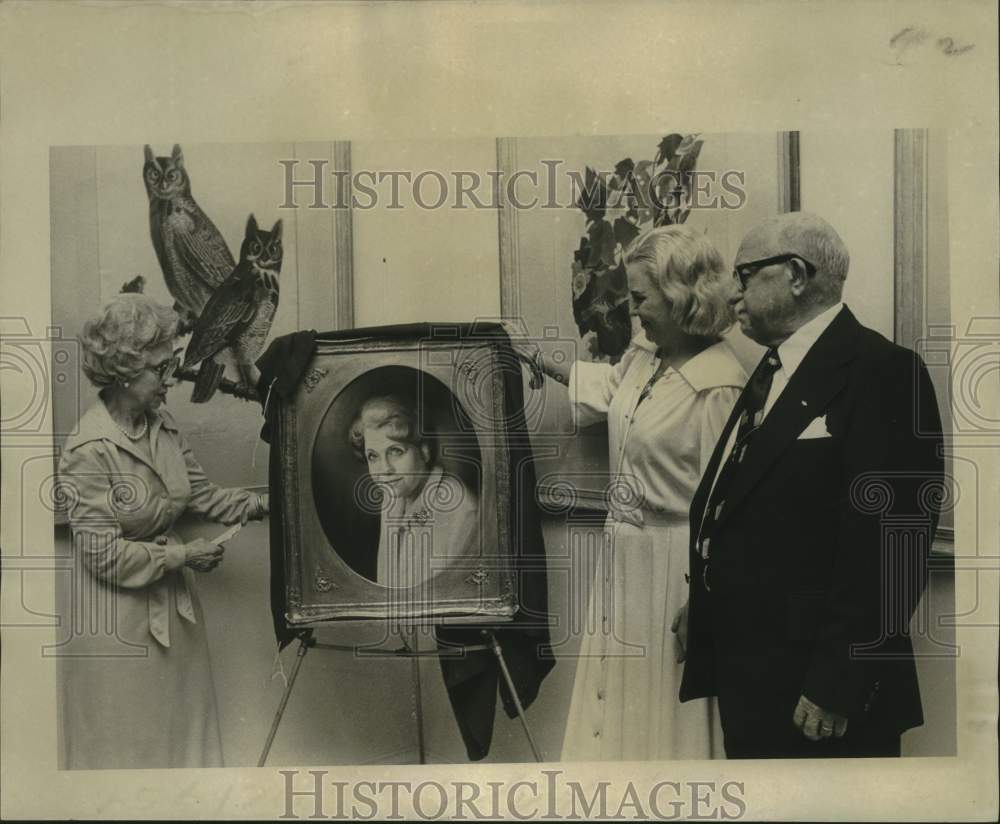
789,165
343,241
510,298
910,234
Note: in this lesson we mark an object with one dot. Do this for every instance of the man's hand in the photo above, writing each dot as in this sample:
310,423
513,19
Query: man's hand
679,628
816,723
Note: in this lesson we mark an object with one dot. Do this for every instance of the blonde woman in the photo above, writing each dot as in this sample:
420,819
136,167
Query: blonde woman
665,404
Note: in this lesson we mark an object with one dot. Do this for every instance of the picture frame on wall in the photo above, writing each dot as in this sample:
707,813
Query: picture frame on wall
396,482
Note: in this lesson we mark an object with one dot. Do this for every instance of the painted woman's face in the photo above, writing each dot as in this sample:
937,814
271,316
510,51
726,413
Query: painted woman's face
400,466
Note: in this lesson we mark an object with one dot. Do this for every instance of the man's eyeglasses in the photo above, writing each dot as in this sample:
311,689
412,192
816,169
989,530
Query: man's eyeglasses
745,271
165,370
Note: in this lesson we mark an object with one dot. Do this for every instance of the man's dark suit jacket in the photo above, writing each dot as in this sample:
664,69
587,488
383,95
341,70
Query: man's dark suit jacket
818,558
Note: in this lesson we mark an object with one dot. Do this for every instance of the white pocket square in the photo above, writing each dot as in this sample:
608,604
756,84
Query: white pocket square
816,429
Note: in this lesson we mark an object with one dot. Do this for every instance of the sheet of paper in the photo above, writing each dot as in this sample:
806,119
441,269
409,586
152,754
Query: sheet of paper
228,535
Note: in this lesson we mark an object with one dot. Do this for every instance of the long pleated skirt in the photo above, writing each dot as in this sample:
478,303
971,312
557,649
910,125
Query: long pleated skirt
625,705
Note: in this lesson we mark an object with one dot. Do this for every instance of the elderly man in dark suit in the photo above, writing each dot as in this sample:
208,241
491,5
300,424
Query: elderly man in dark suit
811,527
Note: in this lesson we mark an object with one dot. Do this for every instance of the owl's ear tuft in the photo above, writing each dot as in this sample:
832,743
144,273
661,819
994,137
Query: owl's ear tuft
147,153
251,226
177,155
276,230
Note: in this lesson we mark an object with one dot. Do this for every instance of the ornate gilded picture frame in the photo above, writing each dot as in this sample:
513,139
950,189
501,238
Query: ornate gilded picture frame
396,483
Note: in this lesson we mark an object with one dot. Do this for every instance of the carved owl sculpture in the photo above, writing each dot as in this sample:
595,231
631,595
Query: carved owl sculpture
239,314
192,253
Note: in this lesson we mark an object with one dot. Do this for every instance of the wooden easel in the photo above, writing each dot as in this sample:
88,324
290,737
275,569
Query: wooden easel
307,641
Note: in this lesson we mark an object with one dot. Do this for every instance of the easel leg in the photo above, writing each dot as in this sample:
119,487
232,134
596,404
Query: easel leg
304,643
418,698
307,641
495,646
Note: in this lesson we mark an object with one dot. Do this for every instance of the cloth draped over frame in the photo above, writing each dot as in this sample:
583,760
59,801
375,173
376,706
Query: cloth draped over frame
472,680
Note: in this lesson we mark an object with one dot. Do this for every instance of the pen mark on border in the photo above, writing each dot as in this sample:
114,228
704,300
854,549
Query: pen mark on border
909,38
949,47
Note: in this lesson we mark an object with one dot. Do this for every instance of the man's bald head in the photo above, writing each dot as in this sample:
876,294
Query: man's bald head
789,269
807,235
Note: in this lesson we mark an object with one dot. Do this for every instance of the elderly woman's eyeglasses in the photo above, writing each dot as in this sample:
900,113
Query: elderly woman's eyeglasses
745,271
165,370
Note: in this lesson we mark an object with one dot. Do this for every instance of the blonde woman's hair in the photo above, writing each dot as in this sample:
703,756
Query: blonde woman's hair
690,273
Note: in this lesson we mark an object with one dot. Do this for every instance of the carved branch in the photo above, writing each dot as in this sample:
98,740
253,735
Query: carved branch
236,389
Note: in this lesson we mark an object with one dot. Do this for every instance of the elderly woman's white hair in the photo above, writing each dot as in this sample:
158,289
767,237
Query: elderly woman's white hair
116,343
691,274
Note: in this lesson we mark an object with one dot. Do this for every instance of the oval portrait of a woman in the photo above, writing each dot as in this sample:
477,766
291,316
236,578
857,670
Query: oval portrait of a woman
396,478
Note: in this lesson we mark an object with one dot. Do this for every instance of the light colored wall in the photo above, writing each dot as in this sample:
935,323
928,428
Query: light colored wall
847,178
439,265
416,264
933,634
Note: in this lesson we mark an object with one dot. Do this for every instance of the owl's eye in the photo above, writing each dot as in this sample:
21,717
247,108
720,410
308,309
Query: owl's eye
172,175
255,248
275,248
153,175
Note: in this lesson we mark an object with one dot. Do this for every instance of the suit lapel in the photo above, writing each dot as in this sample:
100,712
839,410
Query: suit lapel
821,375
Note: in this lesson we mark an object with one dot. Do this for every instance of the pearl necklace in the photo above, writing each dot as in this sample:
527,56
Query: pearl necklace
129,435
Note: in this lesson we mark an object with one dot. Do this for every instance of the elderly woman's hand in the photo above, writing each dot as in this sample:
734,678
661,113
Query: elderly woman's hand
202,555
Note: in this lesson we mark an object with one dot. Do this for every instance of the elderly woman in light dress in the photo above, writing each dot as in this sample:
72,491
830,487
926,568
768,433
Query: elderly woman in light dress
665,402
141,696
